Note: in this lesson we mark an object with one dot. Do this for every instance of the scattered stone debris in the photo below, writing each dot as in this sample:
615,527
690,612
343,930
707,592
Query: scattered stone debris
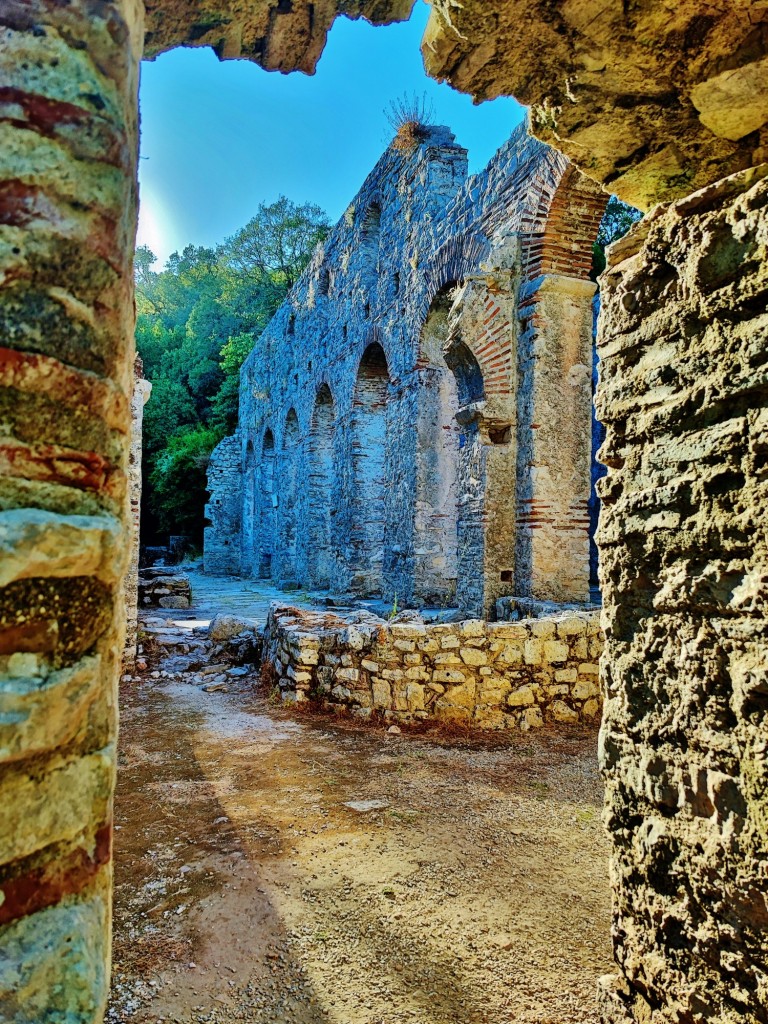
164,588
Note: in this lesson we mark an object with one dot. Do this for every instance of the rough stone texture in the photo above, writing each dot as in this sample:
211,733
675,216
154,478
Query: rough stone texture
163,588
141,392
397,408
68,141
491,675
223,512
654,98
684,562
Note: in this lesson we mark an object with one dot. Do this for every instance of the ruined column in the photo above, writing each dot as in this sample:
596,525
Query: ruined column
683,345
68,147
141,392
554,439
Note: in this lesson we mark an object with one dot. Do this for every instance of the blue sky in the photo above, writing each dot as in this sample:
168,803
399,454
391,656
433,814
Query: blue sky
218,138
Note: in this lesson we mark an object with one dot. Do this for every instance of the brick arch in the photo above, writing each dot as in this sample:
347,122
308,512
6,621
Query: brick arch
456,259
560,230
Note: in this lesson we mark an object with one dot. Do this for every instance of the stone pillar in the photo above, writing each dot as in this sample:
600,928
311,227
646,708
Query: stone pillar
683,343
141,392
224,511
554,439
68,150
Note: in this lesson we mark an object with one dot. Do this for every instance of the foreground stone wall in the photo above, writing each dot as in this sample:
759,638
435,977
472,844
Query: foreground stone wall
68,151
394,426
492,675
684,561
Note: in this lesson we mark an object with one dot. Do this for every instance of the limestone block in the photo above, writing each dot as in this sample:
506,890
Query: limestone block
490,717
39,714
446,659
531,718
363,698
590,708
224,626
566,675
472,627
56,803
561,712
414,695
34,542
417,672
589,669
408,631
571,626
533,652
494,690
512,654
542,629
347,660
448,676
52,964
585,688
555,652
472,656
428,646
404,645
347,675
341,693
523,695
352,638
370,666
449,643
507,631
382,693
393,674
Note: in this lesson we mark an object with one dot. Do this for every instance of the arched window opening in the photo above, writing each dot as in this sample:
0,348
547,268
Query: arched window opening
266,504
289,482
369,446
437,457
324,281
321,487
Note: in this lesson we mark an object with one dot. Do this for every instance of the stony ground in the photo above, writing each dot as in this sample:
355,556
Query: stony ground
272,868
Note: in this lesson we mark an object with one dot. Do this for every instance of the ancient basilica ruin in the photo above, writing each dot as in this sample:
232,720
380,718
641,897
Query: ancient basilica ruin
664,104
416,420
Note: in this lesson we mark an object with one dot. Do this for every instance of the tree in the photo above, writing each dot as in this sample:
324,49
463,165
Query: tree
198,319
277,243
617,220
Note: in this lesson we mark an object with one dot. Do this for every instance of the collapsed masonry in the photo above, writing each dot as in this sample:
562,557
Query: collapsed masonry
415,422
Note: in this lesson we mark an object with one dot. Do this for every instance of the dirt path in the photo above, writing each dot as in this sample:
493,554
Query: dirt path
246,889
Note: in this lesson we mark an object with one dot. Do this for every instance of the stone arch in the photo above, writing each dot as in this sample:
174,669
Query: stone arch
288,499
266,498
250,515
369,452
321,488
437,459
456,259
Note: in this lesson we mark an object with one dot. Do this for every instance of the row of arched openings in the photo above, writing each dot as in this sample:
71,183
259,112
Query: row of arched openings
446,506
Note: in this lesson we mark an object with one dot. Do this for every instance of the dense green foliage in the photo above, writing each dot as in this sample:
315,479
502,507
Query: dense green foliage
617,220
197,321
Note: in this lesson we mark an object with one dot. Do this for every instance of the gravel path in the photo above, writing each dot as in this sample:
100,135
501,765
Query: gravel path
466,884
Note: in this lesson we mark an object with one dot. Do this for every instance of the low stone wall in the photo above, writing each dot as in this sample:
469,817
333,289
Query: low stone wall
493,675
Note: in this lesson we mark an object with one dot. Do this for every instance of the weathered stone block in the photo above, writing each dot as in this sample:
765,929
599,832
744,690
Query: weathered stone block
472,656
555,652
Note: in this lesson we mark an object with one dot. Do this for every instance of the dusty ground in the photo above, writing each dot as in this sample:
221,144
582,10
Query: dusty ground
246,889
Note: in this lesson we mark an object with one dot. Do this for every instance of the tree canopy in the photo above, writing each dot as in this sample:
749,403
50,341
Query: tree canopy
197,321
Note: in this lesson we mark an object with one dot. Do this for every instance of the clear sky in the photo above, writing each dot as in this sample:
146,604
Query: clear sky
218,138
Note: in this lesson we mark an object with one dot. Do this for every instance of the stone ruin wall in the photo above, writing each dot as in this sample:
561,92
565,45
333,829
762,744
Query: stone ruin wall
141,392
224,510
490,675
683,346
322,427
